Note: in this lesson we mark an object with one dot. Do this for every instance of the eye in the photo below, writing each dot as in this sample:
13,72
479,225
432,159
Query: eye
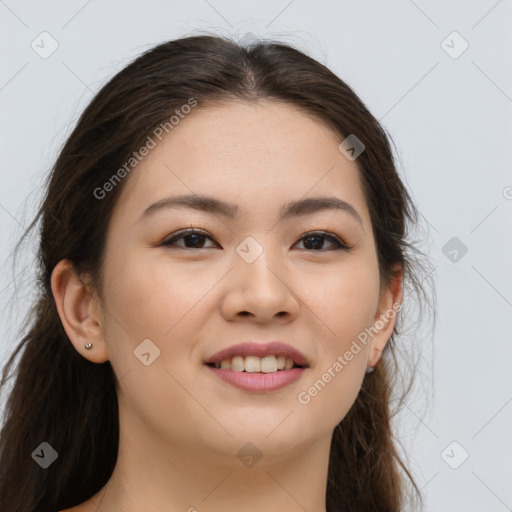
196,238
315,239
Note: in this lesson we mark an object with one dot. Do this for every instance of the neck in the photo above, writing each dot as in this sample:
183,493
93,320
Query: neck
195,477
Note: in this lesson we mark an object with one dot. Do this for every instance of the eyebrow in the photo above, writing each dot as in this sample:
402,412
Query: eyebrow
229,210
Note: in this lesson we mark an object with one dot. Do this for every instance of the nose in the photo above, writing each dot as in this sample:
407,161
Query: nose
260,290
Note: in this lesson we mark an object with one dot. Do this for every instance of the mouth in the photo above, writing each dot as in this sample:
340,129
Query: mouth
258,367
255,357
255,364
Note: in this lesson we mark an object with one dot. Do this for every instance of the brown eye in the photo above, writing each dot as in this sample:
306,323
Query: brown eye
315,240
194,239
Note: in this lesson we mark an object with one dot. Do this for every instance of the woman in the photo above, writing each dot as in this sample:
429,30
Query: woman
223,258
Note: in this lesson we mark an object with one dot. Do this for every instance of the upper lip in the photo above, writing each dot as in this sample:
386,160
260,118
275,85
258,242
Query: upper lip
252,348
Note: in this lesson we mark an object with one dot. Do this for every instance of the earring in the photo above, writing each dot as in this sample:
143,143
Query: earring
88,346
370,369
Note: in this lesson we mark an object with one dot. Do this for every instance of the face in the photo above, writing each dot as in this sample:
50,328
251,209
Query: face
252,276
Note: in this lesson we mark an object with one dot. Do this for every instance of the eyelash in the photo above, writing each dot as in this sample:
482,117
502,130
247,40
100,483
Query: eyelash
192,231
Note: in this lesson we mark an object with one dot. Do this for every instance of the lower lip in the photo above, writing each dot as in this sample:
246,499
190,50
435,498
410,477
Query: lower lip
258,382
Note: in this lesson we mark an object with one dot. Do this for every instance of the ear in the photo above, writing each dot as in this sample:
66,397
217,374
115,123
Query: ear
79,311
390,300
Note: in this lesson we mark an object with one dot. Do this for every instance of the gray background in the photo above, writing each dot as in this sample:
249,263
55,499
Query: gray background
450,114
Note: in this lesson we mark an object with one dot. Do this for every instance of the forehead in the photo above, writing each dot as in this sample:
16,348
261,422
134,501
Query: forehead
258,155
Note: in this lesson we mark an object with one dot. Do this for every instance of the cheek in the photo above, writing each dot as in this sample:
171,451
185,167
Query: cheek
344,302
346,308
153,297
329,394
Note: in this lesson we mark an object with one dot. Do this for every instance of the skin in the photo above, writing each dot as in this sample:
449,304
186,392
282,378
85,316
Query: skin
181,427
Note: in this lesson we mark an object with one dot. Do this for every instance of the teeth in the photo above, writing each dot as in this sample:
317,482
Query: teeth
237,364
252,364
255,364
268,364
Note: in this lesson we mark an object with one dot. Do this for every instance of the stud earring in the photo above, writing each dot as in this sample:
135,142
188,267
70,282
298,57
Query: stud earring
370,369
88,346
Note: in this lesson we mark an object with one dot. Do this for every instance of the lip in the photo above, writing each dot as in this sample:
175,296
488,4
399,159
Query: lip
258,382
252,348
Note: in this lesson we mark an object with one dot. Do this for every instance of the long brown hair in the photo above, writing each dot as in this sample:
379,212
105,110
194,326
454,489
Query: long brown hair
61,398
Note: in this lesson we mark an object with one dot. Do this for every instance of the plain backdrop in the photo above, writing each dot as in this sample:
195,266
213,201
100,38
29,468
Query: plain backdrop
436,74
